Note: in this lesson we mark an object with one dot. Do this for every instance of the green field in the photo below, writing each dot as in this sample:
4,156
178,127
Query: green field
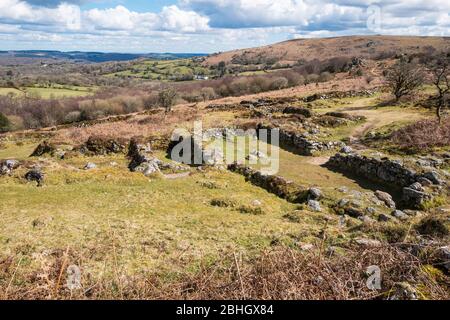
56,91
163,70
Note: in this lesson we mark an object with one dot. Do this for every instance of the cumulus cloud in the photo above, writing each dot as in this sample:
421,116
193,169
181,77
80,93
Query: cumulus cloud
321,15
216,24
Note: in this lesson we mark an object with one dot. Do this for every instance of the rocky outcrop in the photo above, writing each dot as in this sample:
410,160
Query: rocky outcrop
7,166
97,145
279,186
338,95
390,173
299,144
139,153
43,148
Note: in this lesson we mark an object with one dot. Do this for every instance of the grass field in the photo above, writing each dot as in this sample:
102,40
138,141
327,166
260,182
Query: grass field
163,70
52,92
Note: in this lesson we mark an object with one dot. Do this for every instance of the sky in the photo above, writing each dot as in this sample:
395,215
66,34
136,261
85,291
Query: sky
206,26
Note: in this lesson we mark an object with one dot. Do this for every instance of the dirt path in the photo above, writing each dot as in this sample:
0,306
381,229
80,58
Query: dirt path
376,117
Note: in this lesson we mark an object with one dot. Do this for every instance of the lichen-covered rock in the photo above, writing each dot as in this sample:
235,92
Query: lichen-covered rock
386,198
414,198
315,193
314,205
43,148
138,154
98,145
400,215
7,166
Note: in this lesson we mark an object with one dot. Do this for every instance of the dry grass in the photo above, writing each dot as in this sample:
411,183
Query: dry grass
279,273
423,135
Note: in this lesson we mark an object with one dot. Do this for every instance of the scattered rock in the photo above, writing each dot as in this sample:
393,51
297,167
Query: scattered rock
35,175
314,205
256,203
347,149
386,198
383,218
7,166
343,202
315,194
148,167
400,215
90,165
371,210
368,242
353,212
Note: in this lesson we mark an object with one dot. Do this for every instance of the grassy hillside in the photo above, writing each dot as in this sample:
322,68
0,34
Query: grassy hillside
293,51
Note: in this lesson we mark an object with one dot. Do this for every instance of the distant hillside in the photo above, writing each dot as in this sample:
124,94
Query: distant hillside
293,51
32,56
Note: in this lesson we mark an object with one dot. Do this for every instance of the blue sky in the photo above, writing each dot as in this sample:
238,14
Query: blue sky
206,25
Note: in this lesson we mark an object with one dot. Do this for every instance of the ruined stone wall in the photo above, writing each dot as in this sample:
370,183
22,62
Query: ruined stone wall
279,186
382,171
416,188
298,144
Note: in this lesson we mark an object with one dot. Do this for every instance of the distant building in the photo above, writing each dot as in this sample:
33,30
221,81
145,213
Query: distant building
201,77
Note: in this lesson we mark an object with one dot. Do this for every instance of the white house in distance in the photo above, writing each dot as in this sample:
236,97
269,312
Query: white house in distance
200,77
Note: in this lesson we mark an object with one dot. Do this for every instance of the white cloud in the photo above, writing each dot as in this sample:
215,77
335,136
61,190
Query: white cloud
211,25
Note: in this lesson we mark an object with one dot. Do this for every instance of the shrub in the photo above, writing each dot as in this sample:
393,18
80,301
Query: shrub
5,124
279,83
167,98
73,116
422,136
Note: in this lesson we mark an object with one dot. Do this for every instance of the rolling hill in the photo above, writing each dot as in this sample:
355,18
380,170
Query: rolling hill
292,51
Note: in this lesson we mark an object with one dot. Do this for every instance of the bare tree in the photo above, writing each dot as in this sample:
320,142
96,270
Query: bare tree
167,98
404,78
440,71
